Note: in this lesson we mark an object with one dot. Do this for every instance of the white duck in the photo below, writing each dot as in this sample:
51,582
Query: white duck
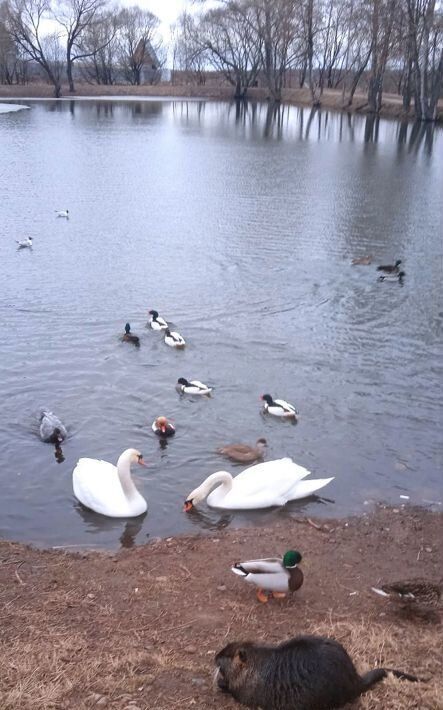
109,489
24,243
261,486
193,387
174,340
62,213
278,407
157,322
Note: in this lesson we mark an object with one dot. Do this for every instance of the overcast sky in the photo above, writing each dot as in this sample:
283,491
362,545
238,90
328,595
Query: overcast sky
166,10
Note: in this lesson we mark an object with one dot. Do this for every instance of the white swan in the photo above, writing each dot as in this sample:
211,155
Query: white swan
260,486
109,489
62,213
24,243
174,340
157,322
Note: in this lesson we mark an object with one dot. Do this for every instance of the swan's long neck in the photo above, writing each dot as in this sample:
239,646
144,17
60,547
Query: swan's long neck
124,474
210,482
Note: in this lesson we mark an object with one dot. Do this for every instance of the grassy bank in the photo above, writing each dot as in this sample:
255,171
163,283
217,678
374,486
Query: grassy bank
139,628
331,99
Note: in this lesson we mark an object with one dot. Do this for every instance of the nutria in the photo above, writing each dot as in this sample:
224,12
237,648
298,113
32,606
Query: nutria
305,673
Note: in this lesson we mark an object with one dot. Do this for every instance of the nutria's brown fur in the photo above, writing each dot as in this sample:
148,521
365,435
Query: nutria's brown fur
306,673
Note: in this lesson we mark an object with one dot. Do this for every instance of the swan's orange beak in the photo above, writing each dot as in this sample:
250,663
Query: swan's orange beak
188,506
142,463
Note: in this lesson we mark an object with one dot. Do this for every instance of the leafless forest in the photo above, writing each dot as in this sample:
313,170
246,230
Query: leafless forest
318,44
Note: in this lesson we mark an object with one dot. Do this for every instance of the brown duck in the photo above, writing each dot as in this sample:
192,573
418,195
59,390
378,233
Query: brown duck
244,453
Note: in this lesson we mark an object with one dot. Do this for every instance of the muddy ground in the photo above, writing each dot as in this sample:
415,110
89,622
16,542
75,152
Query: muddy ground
138,629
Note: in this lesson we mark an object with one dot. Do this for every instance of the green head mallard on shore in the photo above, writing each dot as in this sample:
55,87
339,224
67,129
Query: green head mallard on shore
273,576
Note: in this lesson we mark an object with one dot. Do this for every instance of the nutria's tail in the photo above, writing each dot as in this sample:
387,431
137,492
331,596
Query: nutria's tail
370,679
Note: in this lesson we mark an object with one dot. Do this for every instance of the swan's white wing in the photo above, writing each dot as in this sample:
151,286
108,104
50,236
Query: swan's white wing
286,405
261,486
97,485
302,489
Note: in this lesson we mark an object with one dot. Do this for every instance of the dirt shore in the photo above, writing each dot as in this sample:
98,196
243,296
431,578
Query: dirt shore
331,99
138,629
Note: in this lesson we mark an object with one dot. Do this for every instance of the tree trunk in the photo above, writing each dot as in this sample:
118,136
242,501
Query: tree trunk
69,74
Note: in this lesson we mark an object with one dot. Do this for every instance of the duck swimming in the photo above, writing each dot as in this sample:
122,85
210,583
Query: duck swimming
264,485
24,244
109,489
157,322
193,387
242,453
52,430
163,427
128,337
362,260
274,575
390,268
393,278
278,407
62,213
174,340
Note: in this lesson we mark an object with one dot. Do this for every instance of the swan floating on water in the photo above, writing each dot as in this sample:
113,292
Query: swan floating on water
52,430
268,484
109,489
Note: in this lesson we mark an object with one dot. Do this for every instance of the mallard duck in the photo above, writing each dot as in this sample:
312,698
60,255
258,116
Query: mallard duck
192,387
411,591
157,322
390,268
362,260
174,340
128,337
24,244
62,213
278,407
163,427
264,485
109,489
244,453
274,576
52,430
393,278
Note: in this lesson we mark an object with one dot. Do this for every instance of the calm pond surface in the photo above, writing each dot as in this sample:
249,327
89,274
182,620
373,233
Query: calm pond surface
239,227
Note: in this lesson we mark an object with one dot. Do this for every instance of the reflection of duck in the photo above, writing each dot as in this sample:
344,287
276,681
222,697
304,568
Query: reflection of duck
128,337
163,427
157,322
192,387
278,407
362,260
174,339
52,430
276,575
390,268
109,489
244,453
272,483
58,453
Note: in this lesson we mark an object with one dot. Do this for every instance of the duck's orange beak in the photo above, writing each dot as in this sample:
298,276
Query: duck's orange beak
142,463
188,506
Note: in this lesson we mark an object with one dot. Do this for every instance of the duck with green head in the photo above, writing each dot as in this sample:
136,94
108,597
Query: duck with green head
273,576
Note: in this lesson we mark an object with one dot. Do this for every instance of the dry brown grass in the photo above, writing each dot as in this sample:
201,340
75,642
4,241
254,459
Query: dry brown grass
75,633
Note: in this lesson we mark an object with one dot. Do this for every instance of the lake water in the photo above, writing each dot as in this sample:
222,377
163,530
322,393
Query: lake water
239,227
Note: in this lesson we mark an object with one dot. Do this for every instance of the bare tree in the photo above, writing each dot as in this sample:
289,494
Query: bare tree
24,20
426,26
189,56
383,13
76,16
139,42
9,55
99,46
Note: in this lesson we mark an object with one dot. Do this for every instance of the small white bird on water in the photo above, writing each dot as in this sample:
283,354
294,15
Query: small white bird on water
24,243
62,213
